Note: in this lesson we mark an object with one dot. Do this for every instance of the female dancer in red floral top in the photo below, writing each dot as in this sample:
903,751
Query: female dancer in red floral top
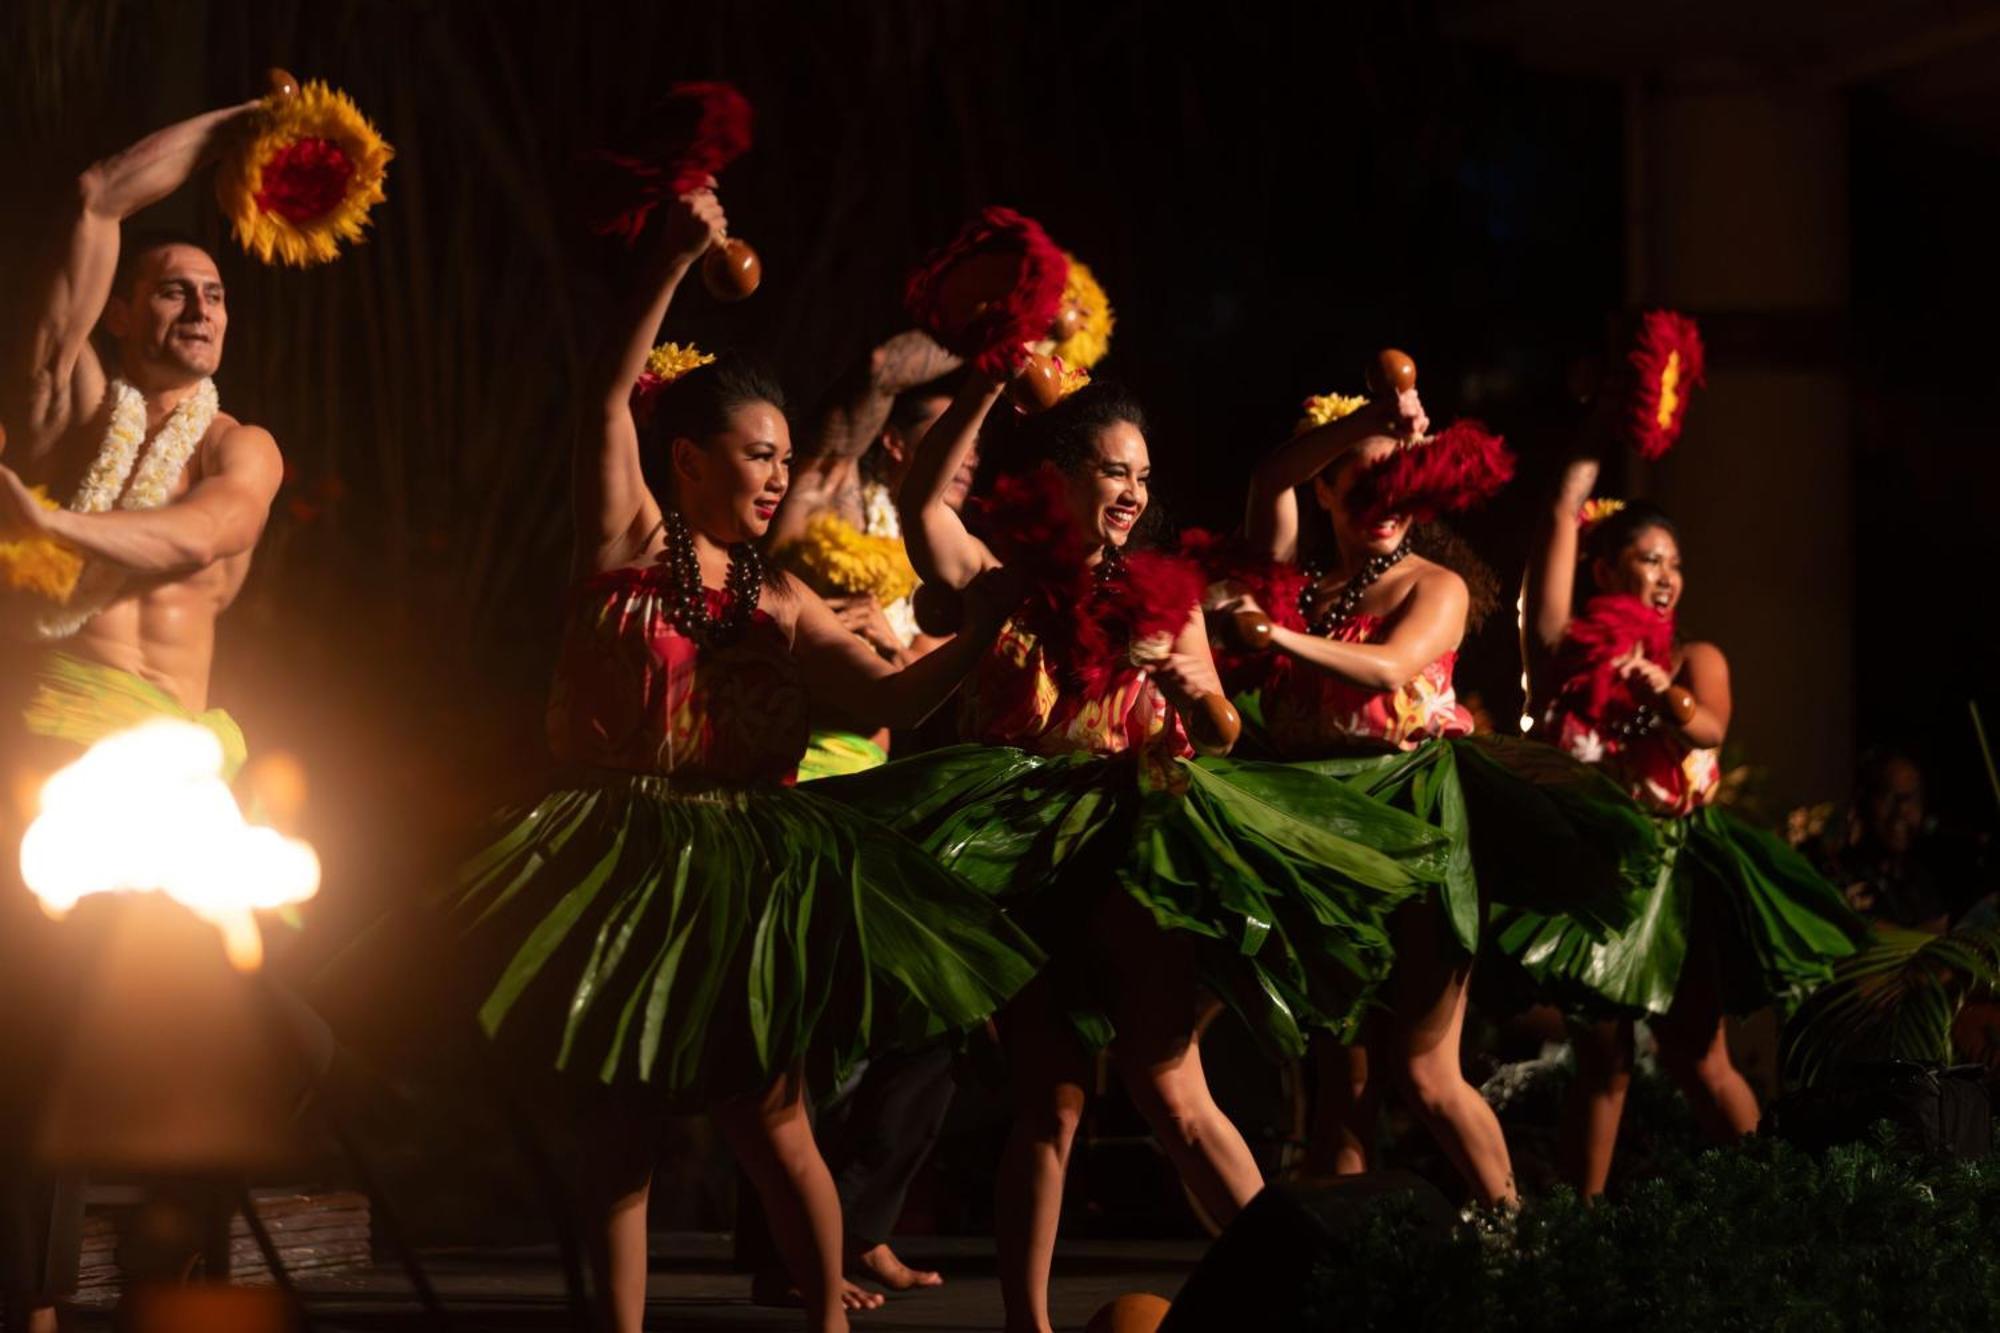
675,923
1366,686
1734,919
1143,869
1014,700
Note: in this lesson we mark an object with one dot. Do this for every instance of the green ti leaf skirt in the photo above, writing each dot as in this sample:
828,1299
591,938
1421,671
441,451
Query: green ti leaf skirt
705,942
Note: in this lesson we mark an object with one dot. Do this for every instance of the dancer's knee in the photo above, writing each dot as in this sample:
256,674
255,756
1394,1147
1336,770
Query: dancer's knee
1706,1065
1051,1116
1432,1082
1177,1103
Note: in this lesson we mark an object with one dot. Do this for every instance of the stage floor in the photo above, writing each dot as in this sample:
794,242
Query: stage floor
692,1289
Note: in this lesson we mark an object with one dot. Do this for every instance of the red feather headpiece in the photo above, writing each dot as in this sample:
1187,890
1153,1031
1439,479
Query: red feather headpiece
1670,364
1455,469
1086,625
1612,625
997,285
699,128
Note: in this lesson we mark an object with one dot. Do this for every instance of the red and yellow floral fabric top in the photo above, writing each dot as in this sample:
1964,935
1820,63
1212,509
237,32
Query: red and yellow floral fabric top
634,694
1311,712
1016,697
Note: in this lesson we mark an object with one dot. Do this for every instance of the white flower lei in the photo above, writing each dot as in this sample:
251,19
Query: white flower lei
879,512
878,519
106,484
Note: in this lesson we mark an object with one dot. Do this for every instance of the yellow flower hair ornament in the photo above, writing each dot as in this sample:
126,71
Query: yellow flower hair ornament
41,565
302,181
1595,510
839,560
664,364
1323,408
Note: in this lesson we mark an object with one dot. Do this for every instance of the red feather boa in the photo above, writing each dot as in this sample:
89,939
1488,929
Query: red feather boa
1662,333
700,128
1087,628
1611,625
1272,584
1456,469
990,334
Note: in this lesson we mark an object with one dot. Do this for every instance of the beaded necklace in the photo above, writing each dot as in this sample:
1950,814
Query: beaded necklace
744,583
1344,606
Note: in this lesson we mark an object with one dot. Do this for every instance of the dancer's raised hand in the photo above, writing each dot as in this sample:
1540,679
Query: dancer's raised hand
695,221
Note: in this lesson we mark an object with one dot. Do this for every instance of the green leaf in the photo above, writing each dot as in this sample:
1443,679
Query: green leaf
1895,999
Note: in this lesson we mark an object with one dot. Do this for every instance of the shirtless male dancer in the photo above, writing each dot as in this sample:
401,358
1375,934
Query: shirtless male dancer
188,489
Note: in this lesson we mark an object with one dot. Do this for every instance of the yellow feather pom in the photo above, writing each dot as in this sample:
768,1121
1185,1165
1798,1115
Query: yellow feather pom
1092,339
669,361
839,560
1070,378
1322,408
41,565
317,122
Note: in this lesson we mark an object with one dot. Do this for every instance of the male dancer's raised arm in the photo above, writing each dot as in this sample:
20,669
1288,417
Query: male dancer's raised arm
828,474
55,379
173,492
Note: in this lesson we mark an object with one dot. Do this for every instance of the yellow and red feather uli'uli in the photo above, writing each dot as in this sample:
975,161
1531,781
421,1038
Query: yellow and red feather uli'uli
304,179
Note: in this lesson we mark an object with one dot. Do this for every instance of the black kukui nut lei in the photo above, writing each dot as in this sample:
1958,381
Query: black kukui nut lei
744,583
1344,606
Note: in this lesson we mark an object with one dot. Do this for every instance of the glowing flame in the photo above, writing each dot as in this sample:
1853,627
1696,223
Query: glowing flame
147,809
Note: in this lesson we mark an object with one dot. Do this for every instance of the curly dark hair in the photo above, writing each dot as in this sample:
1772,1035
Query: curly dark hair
1066,435
1440,545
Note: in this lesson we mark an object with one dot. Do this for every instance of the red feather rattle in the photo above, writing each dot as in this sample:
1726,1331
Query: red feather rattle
996,286
1459,467
702,128
1669,363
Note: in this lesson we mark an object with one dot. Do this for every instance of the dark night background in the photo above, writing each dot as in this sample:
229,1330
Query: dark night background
1268,193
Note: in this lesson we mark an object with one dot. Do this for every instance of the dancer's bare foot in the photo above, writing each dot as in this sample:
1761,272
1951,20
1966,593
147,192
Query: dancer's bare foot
882,1264
770,1286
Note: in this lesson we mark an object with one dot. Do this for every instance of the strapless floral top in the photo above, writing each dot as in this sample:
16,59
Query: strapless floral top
634,694
1311,712
1014,697
1661,771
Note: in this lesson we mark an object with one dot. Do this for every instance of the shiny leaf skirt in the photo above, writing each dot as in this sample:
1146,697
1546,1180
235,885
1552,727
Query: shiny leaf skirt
1284,878
1524,824
704,943
1775,925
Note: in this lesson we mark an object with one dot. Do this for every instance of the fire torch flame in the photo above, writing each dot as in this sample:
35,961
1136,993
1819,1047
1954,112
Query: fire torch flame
147,809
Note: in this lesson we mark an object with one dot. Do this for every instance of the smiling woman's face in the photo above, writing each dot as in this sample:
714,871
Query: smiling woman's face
730,485
1649,568
1333,488
1108,493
